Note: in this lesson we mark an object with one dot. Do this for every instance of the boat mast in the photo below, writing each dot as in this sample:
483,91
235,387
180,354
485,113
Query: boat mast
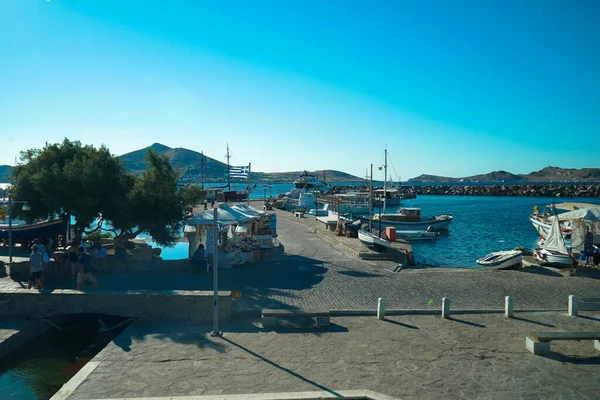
385,181
228,169
371,200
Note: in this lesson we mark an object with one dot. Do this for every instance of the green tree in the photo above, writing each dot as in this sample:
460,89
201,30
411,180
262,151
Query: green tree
155,204
3,212
82,181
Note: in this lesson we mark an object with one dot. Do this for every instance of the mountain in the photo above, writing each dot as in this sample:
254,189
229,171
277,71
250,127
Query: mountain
4,172
189,162
548,174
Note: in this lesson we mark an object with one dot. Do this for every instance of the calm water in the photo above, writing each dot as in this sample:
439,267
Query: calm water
481,225
40,368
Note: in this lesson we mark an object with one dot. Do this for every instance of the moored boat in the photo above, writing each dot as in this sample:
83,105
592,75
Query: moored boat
417,235
501,259
410,219
372,241
23,233
553,251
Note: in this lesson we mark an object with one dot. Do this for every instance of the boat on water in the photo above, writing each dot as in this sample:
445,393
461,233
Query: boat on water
307,183
553,251
542,221
501,259
353,202
372,241
409,219
23,233
417,235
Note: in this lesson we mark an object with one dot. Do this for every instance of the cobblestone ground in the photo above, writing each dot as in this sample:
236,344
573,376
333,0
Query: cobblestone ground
310,273
413,357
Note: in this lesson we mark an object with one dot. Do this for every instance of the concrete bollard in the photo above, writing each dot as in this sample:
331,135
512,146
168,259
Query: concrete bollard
446,307
381,309
573,305
508,306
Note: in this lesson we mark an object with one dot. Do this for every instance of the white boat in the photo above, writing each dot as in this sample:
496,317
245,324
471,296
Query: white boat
543,221
372,241
417,235
353,202
306,183
410,219
553,251
501,259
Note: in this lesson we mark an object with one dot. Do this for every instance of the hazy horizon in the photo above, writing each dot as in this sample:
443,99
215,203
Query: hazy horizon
452,88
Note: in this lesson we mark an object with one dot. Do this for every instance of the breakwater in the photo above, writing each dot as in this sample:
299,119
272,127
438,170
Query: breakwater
535,190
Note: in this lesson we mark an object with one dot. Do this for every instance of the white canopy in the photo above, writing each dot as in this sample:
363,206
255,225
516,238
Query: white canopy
249,211
589,214
223,217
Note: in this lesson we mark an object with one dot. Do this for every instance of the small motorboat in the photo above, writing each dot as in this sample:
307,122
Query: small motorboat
372,241
501,259
418,235
553,250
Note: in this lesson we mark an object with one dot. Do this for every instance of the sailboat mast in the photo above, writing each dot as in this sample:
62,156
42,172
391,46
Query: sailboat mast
385,181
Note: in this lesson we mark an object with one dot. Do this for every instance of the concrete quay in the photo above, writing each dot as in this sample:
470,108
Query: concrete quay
410,357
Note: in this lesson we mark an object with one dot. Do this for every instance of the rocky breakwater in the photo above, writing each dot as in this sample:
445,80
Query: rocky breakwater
538,190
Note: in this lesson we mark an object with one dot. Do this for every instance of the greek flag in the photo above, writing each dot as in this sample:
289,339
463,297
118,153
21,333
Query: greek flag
239,172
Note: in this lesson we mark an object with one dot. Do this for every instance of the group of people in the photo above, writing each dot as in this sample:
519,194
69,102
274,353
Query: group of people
81,258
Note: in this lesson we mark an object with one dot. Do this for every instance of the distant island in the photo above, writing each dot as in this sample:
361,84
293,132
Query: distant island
548,174
189,163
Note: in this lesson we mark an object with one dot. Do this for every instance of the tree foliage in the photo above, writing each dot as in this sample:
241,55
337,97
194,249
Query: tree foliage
92,185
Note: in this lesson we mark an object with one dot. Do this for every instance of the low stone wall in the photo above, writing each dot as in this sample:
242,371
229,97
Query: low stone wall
178,305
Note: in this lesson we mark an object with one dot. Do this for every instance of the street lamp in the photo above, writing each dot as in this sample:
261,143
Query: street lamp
270,193
25,207
265,193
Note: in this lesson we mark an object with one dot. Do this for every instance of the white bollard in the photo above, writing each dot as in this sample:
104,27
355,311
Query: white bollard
508,306
446,307
381,309
573,305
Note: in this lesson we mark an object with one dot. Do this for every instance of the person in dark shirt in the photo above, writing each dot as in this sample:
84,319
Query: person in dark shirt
200,259
85,274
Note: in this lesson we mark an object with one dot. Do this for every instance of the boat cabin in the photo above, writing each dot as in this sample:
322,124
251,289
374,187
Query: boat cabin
403,215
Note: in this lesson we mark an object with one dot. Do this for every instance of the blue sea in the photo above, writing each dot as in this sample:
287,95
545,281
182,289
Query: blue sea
480,226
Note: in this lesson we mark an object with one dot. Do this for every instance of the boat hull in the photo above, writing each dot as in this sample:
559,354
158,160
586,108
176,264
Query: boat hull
439,223
417,235
372,241
501,260
49,228
546,257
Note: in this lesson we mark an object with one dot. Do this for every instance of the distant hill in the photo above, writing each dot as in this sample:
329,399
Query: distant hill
4,172
548,174
189,162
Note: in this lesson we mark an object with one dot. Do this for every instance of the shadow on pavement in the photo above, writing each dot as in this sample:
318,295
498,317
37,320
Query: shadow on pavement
573,360
287,370
540,271
462,321
359,274
400,324
533,322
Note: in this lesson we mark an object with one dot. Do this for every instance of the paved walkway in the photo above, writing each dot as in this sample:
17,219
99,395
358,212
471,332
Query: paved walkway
416,357
310,273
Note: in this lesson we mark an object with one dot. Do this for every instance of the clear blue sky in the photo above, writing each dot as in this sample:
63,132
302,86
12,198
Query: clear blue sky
452,87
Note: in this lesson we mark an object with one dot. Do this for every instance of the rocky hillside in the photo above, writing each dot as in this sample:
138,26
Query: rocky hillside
548,174
189,162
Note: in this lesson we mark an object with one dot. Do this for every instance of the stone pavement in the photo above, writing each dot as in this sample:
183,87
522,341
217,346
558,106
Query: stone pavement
410,357
309,273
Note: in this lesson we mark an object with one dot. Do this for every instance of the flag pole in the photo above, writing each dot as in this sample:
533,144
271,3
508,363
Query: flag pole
248,181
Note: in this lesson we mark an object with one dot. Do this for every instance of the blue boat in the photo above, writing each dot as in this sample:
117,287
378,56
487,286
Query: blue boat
49,228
